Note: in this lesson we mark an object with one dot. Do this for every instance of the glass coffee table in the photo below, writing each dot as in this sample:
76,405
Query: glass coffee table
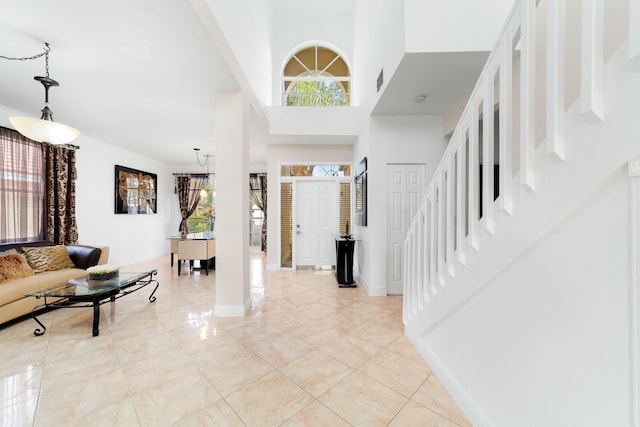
82,292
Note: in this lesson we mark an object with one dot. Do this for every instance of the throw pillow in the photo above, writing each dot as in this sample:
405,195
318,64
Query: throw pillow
9,251
14,266
48,258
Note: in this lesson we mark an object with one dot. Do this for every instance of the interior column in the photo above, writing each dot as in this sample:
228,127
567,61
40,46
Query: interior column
232,211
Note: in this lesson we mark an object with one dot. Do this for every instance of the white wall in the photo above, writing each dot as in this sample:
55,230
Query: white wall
378,45
454,25
247,28
546,341
290,33
391,139
131,238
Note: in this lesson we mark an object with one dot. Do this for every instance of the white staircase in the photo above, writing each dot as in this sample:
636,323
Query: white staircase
490,276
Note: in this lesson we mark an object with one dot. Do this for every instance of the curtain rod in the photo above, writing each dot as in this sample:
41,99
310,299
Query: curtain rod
193,174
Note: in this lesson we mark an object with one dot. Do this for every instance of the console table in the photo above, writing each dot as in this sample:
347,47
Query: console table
195,246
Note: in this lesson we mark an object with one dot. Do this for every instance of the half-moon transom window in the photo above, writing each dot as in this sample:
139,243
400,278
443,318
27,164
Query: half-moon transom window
316,76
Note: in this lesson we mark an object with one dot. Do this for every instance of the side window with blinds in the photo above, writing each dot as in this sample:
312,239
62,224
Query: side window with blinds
345,208
286,224
22,187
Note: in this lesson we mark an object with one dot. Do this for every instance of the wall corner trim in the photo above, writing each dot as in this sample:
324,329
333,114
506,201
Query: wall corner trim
634,300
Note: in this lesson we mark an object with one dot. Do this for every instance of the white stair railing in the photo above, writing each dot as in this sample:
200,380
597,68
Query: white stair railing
477,185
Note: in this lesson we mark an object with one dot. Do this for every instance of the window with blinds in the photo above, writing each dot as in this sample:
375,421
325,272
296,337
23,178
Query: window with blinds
286,224
345,208
22,188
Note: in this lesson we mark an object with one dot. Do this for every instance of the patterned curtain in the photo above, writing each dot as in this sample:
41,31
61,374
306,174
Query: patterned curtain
188,198
60,194
258,187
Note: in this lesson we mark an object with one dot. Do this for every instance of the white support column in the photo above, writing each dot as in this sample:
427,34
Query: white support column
233,297
555,77
527,95
592,63
634,32
634,306
506,125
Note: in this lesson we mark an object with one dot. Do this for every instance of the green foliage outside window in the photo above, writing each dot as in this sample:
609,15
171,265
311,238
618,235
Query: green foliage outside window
313,93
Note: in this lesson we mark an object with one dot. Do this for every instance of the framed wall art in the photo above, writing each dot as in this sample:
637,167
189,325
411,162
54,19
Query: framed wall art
135,191
361,193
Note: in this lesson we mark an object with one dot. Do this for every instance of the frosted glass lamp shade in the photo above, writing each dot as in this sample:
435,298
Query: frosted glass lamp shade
44,130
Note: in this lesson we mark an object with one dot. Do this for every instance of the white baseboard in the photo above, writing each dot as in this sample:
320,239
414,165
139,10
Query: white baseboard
273,267
232,310
372,292
471,410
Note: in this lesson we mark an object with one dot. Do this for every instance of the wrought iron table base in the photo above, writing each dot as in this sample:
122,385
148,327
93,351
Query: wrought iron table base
94,301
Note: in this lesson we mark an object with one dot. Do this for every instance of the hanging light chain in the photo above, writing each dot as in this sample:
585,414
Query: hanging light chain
47,49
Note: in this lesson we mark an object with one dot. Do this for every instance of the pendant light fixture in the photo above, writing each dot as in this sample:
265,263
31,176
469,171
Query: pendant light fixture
204,163
44,129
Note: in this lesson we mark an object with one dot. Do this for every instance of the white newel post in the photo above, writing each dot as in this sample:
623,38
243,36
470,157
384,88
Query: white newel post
232,214
634,175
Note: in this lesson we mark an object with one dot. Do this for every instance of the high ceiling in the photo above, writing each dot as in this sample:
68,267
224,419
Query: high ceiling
142,74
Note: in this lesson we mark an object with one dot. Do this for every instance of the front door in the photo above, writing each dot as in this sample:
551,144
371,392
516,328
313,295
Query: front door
315,226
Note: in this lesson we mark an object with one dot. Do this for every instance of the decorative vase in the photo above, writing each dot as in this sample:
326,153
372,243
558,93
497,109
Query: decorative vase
103,276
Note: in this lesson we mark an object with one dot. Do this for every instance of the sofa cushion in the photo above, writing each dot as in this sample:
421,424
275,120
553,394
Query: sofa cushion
16,289
84,256
14,266
48,258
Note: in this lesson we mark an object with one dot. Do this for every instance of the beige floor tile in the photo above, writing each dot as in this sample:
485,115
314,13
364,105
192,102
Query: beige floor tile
19,382
174,400
80,398
377,333
172,361
363,401
218,414
269,401
316,333
19,413
350,350
396,372
316,415
121,413
281,349
434,396
316,372
232,367
414,415
404,347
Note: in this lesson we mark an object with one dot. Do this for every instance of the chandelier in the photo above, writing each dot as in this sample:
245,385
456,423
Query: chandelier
43,129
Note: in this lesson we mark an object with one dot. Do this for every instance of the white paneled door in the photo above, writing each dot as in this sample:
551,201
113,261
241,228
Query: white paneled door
316,224
405,189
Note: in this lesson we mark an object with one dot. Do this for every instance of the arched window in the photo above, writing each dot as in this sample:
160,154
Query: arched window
316,76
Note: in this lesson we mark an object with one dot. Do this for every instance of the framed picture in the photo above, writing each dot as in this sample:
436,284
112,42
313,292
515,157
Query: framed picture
135,191
361,193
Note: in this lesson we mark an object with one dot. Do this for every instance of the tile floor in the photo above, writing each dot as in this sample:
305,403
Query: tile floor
308,354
